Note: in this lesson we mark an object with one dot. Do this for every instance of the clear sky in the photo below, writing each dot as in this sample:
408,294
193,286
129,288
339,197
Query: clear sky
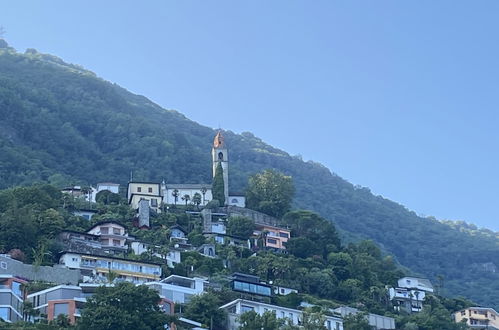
398,96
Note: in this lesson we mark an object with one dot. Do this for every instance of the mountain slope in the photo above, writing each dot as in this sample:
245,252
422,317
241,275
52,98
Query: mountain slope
60,123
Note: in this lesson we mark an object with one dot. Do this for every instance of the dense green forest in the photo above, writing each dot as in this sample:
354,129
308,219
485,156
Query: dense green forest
62,124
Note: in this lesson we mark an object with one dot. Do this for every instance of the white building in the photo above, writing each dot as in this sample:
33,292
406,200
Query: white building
149,191
112,234
172,257
112,187
283,291
169,191
410,294
378,322
239,306
416,283
98,267
178,289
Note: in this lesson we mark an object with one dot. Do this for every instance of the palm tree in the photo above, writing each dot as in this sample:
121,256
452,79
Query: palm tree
175,195
196,199
186,198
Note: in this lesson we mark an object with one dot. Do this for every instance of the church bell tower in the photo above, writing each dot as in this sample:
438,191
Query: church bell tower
219,155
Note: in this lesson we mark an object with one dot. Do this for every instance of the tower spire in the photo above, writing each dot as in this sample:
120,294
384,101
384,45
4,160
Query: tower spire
219,141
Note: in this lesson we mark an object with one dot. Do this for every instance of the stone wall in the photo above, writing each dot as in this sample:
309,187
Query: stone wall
57,274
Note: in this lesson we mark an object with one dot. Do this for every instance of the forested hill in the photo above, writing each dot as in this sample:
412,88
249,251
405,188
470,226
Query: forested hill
62,124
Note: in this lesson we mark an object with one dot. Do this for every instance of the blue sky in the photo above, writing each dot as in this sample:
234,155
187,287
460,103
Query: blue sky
398,96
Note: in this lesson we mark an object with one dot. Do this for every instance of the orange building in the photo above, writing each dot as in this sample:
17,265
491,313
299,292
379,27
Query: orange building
269,237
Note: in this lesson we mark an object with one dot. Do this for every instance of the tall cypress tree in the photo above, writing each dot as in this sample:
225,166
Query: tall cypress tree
218,185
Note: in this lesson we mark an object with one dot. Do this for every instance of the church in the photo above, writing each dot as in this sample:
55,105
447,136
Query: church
171,194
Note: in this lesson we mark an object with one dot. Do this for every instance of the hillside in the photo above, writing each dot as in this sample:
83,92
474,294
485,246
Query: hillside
61,123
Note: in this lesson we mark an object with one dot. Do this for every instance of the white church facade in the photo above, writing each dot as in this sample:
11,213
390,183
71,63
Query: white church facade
172,194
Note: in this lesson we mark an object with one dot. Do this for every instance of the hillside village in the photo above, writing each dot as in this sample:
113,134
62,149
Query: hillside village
191,241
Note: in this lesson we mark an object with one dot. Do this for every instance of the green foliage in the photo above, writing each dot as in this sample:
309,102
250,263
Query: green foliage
218,189
106,197
433,316
270,192
314,234
241,227
204,309
267,321
356,322
63,125
124,306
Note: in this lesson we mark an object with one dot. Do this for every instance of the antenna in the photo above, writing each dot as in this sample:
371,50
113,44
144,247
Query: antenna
131,175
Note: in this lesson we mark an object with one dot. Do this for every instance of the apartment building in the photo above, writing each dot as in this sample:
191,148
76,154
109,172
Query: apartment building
97,267
11,298
178,289
479,318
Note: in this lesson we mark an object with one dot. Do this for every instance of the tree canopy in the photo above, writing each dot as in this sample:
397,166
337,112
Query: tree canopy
124,306
218,188
270,192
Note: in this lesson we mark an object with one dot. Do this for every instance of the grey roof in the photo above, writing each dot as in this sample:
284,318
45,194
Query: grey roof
188,186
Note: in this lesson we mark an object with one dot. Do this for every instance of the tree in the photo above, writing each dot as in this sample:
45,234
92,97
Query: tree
124,306
218,190
310,225
196,199
253,321
175,195
270,192
241,227
107,197
204,308
186,198
356,322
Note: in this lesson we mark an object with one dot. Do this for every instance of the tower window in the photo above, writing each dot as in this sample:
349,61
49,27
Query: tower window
221,155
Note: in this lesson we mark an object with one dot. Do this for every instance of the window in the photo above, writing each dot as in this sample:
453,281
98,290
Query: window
116,242
61,309
245,308
154,202
282,314
86,216
149,189
5,313
234,200
285,235
463,313
116,231
290,315
328,325
282,291
3,265
104,230
139,189
220,155
271,241
16,288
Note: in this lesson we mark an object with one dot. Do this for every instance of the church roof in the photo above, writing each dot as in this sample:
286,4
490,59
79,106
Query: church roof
188,186
219,140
